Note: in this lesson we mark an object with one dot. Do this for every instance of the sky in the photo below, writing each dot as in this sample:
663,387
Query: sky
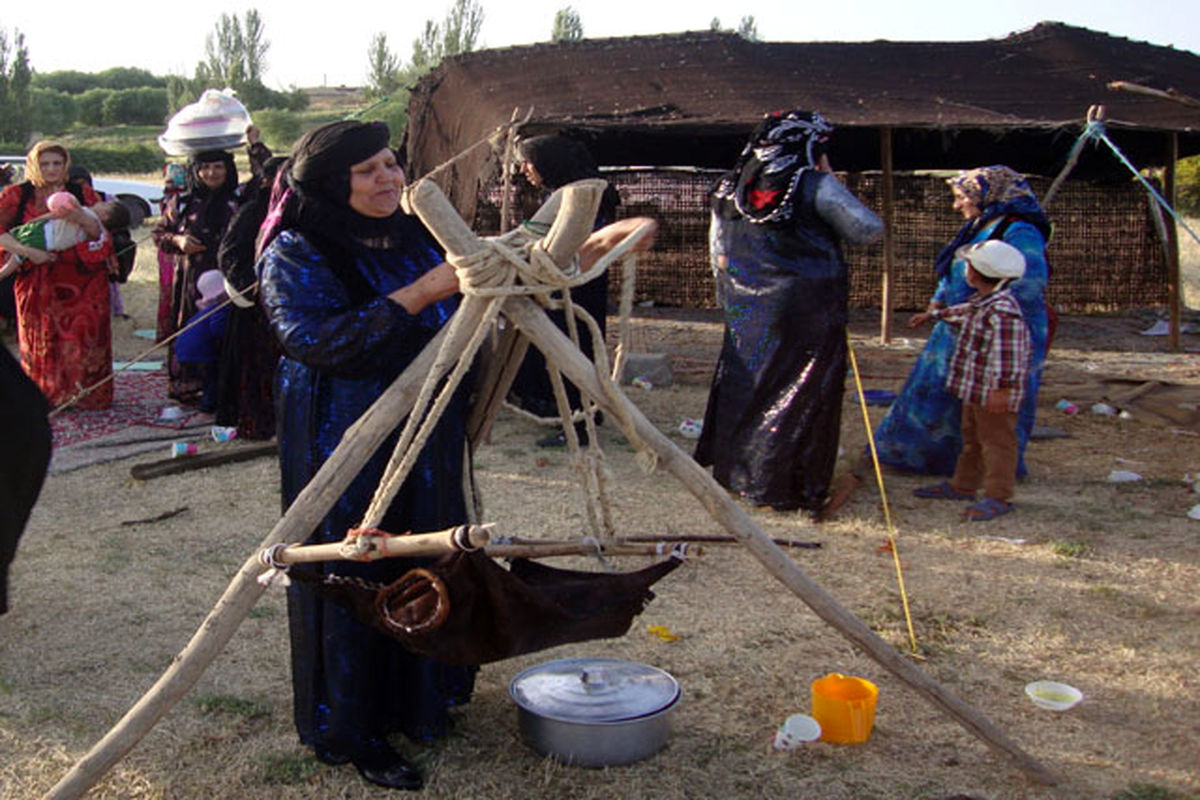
329,48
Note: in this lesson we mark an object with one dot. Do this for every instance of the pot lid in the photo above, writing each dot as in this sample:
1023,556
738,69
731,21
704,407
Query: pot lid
593,690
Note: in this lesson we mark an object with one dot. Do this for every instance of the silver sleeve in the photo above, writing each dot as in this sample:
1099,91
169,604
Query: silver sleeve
853,221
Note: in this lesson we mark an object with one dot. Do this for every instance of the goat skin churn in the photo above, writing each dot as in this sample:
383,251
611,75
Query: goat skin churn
594,712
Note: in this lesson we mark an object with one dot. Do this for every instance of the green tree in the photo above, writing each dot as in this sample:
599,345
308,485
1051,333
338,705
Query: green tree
568,27
145,105
254,47
15,80
748,28
235,58
457,33
128,78
383,68
90,106
68,81
52,111
224,51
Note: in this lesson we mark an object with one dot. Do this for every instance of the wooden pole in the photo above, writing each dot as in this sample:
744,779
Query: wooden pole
1174,287
559,349
889,236
373,547
173,466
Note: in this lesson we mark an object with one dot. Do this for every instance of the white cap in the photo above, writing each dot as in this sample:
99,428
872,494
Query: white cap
994,258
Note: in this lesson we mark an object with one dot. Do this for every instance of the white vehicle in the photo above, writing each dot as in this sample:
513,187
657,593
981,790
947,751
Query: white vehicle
135,194
144,199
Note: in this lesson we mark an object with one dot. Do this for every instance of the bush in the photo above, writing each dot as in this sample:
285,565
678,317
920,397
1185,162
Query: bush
127,158
394,112
90,106
1187,185
129,78
257,96
75,82
280,129
145,106
70,81
52,111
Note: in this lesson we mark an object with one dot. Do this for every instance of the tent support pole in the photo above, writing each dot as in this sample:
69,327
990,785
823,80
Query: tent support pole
1174,286
889,218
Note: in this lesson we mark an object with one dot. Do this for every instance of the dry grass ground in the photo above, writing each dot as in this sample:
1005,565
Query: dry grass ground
1100,592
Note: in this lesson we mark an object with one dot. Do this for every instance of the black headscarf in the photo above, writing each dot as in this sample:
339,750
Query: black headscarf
561,160
214,203
318,175
762,184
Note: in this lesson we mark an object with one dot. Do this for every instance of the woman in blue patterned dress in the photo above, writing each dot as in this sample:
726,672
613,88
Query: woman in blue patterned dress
921,432
354,289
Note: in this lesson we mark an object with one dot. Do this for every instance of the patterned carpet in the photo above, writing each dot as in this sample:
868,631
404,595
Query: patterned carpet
131,426
138,399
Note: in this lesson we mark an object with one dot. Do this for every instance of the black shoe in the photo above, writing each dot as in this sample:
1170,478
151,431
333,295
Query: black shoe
560,439
330,757
385,767
553,440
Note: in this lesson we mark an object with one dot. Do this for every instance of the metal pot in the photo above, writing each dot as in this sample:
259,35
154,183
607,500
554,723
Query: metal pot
594,712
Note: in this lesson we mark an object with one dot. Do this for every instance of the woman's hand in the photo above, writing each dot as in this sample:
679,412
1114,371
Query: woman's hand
437,284
608,237
917,320
188,244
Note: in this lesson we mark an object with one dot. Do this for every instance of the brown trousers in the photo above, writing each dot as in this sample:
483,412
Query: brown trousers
989,453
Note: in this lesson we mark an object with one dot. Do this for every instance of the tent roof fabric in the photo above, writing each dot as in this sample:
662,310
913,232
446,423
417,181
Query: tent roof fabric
1043,77
948,103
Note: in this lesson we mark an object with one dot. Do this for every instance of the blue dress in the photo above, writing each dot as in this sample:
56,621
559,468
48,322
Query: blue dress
344,342
922,431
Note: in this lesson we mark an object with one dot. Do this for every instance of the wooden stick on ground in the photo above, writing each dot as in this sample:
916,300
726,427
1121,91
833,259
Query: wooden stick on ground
174,466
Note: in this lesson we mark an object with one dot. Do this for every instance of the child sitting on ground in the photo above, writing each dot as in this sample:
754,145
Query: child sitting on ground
67,225
988,372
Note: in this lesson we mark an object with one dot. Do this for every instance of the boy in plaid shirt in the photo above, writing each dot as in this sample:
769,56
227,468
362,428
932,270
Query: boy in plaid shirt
987,371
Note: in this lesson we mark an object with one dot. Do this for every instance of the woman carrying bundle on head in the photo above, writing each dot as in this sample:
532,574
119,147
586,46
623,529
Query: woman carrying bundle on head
190,230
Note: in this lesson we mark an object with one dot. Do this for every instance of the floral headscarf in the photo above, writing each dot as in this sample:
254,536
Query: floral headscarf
762,184
33,170
995,184
998,191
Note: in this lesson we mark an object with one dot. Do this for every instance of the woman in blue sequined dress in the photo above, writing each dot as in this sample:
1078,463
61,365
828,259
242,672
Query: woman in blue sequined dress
779,218
354,289
921,432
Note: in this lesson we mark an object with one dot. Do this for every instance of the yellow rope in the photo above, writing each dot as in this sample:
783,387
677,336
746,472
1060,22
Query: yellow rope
887,513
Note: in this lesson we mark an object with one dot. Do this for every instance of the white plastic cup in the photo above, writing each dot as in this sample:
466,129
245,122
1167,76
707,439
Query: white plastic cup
796,730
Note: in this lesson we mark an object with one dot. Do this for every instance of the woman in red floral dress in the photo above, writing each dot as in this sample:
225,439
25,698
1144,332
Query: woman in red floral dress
64,327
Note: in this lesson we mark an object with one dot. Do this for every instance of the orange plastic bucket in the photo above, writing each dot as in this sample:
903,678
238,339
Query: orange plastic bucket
845,707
